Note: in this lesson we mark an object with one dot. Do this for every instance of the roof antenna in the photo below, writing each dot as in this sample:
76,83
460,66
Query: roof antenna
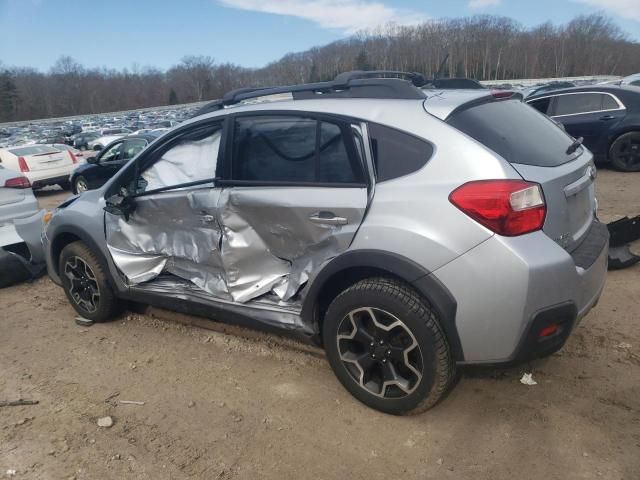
438,72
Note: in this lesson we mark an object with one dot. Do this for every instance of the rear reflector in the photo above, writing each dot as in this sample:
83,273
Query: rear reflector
73,157
23,164
548,331
506,207
17,182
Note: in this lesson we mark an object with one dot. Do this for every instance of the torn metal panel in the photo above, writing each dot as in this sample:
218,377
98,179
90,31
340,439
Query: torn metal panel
237,243
21,251
622,233
281,218
30,230
173,231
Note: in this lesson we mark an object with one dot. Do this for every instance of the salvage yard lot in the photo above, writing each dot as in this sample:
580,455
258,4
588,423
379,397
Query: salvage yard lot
249,405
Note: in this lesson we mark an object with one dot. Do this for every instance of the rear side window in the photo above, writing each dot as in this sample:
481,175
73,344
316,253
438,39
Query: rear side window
396,153
608,103
542,104
516,132
580,103
293,149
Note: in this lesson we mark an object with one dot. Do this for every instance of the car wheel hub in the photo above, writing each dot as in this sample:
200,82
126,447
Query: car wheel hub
83,286
380,352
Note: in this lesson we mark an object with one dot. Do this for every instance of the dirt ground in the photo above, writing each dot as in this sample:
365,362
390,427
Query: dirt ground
251,406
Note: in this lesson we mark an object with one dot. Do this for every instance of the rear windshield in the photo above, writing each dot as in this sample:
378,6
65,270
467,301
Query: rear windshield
515,131
33,150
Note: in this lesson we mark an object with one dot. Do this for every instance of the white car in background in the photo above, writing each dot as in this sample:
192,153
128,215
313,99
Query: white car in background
101,142
42,164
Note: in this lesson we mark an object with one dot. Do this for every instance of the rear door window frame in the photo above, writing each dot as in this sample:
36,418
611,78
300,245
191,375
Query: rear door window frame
344,123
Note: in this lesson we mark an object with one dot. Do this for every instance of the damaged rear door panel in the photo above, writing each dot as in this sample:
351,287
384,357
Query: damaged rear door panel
289,194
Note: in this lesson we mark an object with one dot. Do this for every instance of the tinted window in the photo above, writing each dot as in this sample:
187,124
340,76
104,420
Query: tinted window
608,103
542,105
578,103
291,149
396,153
516,132
334,164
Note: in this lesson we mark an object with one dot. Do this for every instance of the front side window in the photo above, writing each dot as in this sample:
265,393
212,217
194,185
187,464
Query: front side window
112,153
283,148
581,103
192,157
132,148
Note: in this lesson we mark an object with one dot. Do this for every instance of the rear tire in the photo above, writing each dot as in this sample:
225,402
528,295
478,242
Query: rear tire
86,284
386,346
625,152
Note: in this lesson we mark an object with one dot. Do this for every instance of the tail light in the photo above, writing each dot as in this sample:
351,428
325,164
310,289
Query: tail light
73,157
17,182
22,163
506,207
499,94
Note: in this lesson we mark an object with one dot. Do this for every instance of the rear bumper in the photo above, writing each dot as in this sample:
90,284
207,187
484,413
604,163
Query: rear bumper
50,181
508,289
52,176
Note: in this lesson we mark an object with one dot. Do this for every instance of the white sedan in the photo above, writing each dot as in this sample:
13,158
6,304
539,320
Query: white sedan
42,164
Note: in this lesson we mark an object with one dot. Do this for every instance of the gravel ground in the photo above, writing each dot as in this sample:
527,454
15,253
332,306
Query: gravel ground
230,403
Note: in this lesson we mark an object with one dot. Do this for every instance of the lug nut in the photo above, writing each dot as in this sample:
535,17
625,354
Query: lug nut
384,360
373,355
372,344
381,342
388,352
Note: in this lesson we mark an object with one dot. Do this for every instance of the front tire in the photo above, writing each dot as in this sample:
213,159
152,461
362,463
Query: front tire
625,152
86,284
385,345
80,184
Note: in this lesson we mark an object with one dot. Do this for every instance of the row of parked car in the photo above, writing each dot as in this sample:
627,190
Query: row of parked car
405,228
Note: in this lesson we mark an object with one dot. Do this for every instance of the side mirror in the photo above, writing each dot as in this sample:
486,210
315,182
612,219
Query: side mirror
120,204
93,160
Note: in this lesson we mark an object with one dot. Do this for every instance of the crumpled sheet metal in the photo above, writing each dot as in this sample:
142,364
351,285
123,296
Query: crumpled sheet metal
251,246
186,243
262,251
21,250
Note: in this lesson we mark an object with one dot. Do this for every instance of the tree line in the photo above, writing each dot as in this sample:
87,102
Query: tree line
482,47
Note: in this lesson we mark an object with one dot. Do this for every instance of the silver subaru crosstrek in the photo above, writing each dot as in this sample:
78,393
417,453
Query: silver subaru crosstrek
407,230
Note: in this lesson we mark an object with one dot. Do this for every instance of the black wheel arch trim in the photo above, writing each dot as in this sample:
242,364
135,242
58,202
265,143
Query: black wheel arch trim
434,291
56,250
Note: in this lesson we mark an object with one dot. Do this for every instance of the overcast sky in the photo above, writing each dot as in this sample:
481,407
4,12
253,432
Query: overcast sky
123,33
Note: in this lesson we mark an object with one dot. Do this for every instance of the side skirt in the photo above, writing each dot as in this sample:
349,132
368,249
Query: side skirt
175,296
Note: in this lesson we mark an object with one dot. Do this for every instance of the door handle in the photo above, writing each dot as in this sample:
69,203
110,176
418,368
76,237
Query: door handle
606,118
327,218
207,218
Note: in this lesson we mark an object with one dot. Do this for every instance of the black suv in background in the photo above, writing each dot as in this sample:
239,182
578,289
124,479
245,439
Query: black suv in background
606,117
